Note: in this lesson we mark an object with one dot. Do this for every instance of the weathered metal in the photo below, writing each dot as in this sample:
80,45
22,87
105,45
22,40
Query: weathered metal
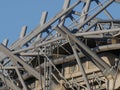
75,50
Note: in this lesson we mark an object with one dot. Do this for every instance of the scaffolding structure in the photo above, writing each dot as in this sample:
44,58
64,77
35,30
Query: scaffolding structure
77,49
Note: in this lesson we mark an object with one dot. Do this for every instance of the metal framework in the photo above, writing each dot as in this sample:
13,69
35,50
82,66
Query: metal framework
77,49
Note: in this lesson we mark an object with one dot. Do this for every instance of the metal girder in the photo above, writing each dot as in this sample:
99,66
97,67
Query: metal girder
21,79
106,12
43,18
85,10
20,42
5,42
118,1
28,68
99,49
99,11
97,32
23,32
72,43
51,63
101,21
39,29
8,82
27,46
102,65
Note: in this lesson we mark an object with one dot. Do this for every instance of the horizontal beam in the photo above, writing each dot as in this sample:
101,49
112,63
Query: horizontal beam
13,57
27,67
98,49
97,32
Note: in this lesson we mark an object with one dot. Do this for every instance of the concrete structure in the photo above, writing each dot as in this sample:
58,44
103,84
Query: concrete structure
84,55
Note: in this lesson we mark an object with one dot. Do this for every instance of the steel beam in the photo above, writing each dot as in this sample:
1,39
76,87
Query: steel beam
80,64
84,11
51,63
43,18
98,32
21,79
39,29
23,32
91,17
28,68
20,42
88,51
5,42
8,82
99,49
106,12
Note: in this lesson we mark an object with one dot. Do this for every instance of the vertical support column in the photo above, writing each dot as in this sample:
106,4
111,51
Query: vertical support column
80,65
23,32
50,61
50,78
64,35
21,79
84,11
104,67
110,83
5,42
43,18
45,74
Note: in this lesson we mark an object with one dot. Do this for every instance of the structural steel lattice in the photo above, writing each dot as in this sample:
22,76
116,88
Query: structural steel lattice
78,49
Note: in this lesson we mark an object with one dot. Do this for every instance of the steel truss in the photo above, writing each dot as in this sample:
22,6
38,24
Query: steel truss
75,50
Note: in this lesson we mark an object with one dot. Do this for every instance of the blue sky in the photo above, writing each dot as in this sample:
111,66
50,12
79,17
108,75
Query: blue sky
16,13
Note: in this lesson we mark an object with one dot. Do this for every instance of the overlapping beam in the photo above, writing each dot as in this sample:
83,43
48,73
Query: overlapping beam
18,54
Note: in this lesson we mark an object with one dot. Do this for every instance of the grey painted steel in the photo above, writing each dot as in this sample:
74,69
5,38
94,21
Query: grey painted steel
106,12
100,21
91,17
60,38
13,57
66,4
22,53
85,10
41,44
97,32
9,83
43,18
50,61
5,42
23,32
66,35
80,64
21,79
87,50
96,49
28,68
39,29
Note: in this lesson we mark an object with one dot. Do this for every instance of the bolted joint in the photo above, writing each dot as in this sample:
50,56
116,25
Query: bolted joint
109,73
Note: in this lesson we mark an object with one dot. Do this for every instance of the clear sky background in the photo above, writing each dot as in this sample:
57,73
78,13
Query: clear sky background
16,13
